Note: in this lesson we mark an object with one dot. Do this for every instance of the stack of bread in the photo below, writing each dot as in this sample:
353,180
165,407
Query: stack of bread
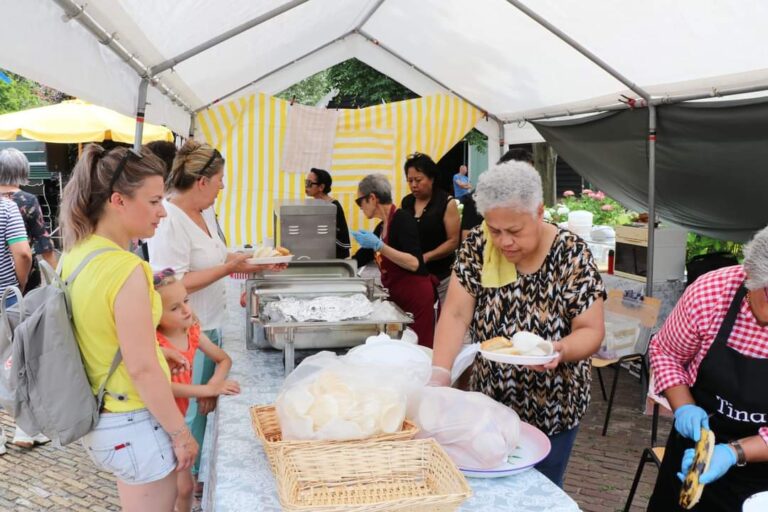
522,343
270,252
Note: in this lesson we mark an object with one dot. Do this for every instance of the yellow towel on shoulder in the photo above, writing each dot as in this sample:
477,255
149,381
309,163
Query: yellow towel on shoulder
498,271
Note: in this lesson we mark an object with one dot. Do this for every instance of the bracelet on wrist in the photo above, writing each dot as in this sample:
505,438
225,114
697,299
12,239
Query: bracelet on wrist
178,432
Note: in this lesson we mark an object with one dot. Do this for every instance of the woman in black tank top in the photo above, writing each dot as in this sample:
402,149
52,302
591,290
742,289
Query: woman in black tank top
437,216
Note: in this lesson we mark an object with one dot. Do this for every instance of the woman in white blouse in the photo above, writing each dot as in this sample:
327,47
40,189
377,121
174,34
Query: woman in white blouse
188,241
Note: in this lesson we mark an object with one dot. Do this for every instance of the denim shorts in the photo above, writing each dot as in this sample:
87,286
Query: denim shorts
132,446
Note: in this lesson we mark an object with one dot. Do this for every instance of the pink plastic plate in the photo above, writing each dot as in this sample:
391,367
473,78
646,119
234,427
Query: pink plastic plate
532,448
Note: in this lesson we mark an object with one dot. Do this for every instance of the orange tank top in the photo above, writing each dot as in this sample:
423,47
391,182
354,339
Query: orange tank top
185,377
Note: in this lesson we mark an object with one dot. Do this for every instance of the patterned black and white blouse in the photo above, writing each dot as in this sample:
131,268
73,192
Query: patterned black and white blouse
544,302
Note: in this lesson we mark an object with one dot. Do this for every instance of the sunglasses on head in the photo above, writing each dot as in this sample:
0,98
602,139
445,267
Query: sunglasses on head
130,153
159,276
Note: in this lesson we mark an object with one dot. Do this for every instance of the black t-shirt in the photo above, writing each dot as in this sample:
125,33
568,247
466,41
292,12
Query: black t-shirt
403,236
469,216
432,229
342,232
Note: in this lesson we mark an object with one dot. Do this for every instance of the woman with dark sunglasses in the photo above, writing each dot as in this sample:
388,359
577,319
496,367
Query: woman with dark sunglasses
318,186
394,244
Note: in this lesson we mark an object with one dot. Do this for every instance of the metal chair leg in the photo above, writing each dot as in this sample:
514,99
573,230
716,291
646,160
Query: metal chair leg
616,368
602,386
645,457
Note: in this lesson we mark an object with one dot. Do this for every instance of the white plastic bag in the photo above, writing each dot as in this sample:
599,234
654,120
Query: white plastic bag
330,397
476,431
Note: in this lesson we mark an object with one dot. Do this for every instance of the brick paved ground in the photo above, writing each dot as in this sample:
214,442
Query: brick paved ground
599,475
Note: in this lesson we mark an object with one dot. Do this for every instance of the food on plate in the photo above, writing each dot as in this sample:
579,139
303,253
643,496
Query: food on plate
494,344
270,252
522,343
690,493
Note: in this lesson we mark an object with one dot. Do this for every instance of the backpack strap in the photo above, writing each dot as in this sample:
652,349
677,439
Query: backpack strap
86,261
102,389
118,355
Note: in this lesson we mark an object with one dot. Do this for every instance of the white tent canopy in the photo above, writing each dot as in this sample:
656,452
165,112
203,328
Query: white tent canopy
486,51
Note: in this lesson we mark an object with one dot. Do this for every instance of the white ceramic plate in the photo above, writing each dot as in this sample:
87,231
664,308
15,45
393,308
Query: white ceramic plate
272,260
756,503
520,360
533,446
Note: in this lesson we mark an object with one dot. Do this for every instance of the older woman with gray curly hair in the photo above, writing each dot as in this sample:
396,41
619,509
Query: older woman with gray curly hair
515,272
394,244
14,173
710,360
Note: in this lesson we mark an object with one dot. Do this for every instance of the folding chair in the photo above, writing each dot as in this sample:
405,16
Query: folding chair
630,320
655,453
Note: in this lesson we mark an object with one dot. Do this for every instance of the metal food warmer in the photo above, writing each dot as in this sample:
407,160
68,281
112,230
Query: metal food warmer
308,280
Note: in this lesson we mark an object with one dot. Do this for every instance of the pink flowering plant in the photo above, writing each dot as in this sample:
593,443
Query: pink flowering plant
605,210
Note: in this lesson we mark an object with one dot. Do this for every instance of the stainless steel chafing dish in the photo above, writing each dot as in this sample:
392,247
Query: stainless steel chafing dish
287,335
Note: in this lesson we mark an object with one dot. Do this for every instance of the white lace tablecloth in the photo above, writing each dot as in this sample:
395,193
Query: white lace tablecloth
239,477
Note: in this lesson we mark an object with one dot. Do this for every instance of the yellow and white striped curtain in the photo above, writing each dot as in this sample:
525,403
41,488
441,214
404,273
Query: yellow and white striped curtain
249,133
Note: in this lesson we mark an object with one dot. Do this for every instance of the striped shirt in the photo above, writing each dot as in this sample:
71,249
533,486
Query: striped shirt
677,351
11,231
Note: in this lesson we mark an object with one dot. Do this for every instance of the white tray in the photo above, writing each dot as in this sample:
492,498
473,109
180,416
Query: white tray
532,448
272,260
518,360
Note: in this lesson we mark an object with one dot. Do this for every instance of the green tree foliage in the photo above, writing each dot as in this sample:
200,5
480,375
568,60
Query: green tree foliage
359,86
362,86
23,93
309,91
20,94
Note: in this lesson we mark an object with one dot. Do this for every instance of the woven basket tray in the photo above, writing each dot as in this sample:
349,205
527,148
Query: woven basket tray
267,427
413,476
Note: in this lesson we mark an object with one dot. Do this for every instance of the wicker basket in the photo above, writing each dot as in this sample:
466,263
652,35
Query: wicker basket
267,427
368,477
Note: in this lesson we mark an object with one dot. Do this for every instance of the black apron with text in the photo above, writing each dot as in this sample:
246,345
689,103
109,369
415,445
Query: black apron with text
730,387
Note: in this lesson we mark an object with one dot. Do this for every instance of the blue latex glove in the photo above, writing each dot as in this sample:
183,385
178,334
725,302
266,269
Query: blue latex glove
689,419
723,458
367,239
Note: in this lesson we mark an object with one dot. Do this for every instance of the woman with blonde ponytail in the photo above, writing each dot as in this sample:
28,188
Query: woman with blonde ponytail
112,198
188,241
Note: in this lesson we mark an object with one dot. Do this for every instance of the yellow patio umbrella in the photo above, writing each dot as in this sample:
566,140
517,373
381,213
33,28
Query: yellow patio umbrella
75,121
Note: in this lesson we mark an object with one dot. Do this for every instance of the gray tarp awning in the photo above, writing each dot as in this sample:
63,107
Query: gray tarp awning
711,162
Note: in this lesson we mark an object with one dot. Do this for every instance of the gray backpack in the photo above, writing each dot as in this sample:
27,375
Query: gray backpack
51,391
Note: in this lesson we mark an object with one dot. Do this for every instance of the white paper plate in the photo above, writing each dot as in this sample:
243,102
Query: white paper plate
756,503
533,447
519,360
270,261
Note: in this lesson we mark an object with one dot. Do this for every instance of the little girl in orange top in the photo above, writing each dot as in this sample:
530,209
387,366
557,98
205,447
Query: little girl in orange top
179,336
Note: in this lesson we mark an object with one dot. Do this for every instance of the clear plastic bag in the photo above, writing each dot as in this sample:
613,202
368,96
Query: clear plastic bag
476,431
330,397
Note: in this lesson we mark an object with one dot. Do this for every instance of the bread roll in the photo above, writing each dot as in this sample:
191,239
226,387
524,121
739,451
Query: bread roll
496,343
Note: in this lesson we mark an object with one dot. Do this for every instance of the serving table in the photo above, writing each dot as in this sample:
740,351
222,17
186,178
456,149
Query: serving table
238,476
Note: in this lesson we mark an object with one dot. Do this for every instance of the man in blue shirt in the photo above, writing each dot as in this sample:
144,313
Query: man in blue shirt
461,186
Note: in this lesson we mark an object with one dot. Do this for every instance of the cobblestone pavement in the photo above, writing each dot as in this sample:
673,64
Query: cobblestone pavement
598,478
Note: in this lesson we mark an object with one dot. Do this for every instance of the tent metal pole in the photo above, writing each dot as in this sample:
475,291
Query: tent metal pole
399,57
651,198
581,49
140,106
713,93
192,118
168,64
369,14
276,70
73,11
662,100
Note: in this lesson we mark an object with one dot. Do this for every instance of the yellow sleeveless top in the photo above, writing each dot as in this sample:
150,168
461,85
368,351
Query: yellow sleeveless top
93,298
